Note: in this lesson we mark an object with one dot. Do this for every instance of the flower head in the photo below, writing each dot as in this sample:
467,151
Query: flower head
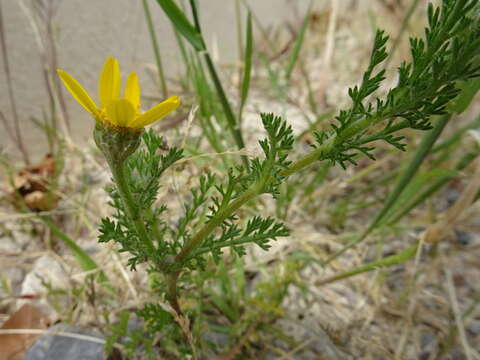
114,110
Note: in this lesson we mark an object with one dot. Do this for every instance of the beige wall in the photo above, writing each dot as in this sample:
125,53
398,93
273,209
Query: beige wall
90,30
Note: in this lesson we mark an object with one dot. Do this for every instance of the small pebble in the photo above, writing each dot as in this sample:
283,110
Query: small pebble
464,238
56,347
474,327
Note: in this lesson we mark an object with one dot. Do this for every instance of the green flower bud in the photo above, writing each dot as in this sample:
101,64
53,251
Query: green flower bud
116,143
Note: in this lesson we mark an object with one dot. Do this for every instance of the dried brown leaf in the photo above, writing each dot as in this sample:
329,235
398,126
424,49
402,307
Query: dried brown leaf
14,346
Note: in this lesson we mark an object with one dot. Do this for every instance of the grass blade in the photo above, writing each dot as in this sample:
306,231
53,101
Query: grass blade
193,33
247,65
450,142
298,45
182,24
463,100
414,193
388,261
84,260
273,78
207,105
434,187
423,150
227,108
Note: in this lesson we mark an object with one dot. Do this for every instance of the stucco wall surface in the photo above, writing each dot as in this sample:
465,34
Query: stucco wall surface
87,31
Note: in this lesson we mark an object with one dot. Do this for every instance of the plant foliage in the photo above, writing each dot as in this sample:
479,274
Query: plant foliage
448,54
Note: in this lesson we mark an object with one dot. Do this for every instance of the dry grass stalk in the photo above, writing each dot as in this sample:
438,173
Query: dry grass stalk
18,137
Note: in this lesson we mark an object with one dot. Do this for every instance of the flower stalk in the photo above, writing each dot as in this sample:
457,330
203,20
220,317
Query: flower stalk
133,212
197,240
117,145
223,214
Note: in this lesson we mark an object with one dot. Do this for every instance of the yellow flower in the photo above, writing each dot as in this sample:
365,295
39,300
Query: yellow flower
114,110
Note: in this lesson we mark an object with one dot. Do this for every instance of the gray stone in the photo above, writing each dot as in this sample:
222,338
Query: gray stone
463,238
474,327
57,347
45,269
428,345
215,337
9,245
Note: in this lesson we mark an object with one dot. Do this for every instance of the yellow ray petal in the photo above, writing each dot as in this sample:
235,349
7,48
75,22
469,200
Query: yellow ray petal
157,112
120,112
78,92
109,82
132,90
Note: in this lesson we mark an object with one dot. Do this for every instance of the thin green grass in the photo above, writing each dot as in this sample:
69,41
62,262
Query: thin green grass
247,67
292,61
193,34
84,260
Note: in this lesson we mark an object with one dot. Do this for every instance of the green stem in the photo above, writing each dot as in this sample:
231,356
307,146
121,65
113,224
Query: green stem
229,243
198,238
156,49
172,295
208,228
356,128
133,212
309,158
330,144
248,195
